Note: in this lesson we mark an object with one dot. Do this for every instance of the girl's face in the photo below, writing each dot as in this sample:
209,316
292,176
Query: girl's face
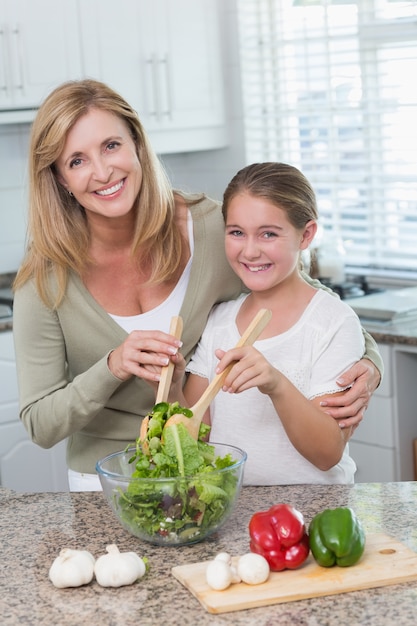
99,165
262,246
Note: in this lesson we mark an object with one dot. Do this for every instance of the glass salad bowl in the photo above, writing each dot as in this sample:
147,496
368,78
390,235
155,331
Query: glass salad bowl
175,510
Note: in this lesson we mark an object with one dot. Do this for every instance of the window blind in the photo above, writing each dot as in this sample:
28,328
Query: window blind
330,87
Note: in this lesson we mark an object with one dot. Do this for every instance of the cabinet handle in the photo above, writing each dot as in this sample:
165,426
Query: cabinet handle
18,40
3,36
154,111
167,82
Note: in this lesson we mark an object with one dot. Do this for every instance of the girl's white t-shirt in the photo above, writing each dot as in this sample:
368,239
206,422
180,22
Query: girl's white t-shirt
325,342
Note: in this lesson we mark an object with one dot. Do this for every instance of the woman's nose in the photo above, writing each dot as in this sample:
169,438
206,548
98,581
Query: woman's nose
101,169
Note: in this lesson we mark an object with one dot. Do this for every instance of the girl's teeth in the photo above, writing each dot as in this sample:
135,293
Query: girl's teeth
257,269
110,190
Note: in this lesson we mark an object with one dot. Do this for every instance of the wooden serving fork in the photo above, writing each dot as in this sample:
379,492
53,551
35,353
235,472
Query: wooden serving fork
164,382
250,335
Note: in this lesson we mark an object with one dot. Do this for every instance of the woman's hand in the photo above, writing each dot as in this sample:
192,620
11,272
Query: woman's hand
142,354
349,407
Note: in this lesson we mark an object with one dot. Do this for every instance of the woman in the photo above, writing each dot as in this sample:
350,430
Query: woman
113,254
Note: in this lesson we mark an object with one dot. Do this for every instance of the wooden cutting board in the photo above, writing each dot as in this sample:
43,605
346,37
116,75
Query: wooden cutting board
384,562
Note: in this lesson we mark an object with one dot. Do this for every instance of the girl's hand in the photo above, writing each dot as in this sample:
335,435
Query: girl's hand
142,354
251,369
350,406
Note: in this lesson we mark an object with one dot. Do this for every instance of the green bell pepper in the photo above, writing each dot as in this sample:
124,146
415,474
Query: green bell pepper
336,537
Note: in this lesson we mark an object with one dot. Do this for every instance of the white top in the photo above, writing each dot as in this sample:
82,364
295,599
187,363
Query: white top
325,342
160,317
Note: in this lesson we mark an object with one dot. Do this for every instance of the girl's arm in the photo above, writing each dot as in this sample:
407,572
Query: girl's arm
314,433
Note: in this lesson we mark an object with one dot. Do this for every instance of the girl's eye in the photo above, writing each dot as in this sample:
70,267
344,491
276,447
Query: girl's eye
269,235
235,233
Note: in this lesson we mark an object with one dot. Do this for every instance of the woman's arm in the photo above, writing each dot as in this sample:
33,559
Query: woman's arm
364,377
62,367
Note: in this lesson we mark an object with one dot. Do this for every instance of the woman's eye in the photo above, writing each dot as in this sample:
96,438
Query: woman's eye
112,145
75,162
269,235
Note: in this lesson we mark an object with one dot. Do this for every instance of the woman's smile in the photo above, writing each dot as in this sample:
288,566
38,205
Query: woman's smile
110,190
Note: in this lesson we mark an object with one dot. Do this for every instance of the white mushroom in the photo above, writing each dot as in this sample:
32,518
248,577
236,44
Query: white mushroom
253,568
223,556
72,568
218,574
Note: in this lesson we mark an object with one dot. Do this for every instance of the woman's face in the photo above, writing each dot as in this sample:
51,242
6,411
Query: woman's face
99,165
262,246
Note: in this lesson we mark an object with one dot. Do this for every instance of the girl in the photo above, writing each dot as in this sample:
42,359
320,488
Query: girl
272,405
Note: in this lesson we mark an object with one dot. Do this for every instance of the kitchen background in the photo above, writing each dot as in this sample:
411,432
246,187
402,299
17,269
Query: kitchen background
206,44
191,104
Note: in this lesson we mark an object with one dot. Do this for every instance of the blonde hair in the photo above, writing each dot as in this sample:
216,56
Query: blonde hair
58,236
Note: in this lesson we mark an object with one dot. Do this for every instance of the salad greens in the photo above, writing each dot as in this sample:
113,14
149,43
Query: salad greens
199,497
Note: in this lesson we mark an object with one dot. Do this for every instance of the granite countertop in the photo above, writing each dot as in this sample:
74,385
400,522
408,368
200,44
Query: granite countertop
34,527
402,331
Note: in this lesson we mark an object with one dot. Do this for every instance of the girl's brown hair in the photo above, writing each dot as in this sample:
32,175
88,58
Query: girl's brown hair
282,184
58,236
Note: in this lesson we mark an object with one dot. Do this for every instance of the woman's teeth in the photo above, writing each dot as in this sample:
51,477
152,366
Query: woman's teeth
110,190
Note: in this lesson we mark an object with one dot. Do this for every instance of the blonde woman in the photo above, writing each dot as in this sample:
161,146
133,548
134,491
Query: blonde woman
113,253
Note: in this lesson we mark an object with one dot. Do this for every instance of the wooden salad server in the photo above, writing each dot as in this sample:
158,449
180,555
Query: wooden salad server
250,335
164,382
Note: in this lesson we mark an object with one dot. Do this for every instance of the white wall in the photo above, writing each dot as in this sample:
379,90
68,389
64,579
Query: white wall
207,171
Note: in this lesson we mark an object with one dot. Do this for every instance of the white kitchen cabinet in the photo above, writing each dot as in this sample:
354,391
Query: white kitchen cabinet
164,58
39,48
382,445
24,466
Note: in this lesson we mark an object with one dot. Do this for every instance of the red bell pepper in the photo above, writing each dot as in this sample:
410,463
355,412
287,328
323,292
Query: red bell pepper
280,536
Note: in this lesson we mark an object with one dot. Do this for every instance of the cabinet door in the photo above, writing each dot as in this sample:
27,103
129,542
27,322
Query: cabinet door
378,424
164,58
40,48
25,467
374,464
181,50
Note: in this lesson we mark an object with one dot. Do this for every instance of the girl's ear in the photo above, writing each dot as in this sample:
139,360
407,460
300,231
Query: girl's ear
309,233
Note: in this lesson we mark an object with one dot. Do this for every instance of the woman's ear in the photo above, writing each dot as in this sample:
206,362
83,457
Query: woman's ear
309,233
61,180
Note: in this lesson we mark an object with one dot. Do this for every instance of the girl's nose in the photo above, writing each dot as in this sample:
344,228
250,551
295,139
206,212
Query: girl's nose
251,248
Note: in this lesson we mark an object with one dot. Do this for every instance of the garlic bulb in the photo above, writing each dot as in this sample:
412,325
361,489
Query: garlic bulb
72,568
116,569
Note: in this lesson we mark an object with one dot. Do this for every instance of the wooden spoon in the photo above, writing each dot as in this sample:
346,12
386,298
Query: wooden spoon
164,382
192,424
